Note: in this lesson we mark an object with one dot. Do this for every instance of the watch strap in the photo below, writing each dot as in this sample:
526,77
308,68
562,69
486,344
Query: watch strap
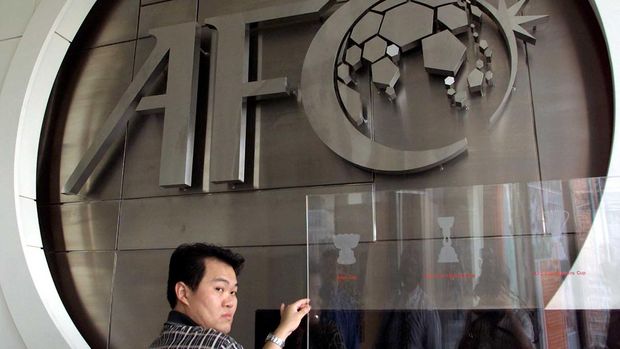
275,340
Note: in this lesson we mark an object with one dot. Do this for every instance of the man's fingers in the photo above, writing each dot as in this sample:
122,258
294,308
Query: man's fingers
304,302
305,310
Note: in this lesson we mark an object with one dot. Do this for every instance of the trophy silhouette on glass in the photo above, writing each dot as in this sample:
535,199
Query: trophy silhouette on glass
556,225
447,253
346,243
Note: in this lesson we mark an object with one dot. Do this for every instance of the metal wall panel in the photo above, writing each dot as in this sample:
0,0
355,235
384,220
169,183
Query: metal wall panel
79,226
139,307
89,88
84,281
109,22
222,7
504,152
144,152
143,160
148,2
141,174
258,218
287,150
289,153
572,91
166,13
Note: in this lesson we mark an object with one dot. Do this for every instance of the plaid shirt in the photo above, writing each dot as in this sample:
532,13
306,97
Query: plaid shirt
181,332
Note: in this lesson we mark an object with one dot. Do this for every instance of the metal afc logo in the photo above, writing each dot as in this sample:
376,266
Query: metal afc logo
361,35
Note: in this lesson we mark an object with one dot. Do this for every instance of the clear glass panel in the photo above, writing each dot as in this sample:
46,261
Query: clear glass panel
531,265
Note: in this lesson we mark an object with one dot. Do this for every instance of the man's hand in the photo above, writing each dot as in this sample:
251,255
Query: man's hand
290,317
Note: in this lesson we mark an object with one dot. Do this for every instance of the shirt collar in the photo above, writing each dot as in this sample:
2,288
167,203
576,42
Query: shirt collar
180,318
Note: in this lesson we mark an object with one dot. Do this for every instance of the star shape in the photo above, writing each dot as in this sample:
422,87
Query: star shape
510,24
510,15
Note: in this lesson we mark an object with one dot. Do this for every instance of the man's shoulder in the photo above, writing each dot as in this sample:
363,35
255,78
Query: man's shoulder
175,335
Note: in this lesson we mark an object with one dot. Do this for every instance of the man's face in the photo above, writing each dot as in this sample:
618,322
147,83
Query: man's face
214,302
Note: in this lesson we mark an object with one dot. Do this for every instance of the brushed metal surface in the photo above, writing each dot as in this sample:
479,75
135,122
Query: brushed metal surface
79,226
84,281
109,22
140,308
503,17
224,7
291,155
230,73
149,2
572,93
422,117
322,107
87,90
144,46
289,152
145,137
178,47
269,217
141,176
166,13
140,291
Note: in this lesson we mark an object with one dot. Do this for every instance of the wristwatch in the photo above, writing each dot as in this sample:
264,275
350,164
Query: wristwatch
274,339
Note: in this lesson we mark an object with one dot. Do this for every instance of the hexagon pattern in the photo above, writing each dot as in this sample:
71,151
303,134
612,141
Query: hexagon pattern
366,28
474,80
387,4
460,99
406,24
435,3
453,18
450,93
374,49
488,77
483,45
391,93
353,56
344,73
449,82
393,27
385,73
488,55
393,52
443,54
476,14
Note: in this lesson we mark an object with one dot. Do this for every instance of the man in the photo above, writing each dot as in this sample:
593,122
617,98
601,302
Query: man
202,292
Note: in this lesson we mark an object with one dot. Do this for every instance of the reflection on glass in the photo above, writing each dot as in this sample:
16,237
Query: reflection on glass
412,321
529,265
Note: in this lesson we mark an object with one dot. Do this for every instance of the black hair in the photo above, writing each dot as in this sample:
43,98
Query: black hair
187,265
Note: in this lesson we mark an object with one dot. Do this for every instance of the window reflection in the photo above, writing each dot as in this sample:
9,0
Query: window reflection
527,265
413,321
